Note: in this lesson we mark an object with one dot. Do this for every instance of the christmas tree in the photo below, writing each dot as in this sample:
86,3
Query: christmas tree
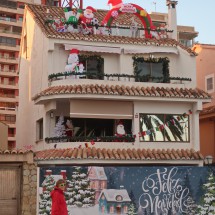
208,200
80,194
45,202
132,209
59,129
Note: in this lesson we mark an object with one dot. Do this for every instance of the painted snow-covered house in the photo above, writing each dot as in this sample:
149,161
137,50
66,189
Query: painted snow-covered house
114,201
98,180
127,98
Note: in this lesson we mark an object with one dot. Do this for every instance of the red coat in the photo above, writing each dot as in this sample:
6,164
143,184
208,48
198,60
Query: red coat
58,202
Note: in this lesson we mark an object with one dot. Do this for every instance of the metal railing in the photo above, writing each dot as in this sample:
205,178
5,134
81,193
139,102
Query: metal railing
7,57
7,44
8,96
8,19
10,32
9,71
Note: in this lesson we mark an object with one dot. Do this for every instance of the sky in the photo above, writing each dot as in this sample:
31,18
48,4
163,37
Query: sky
197,13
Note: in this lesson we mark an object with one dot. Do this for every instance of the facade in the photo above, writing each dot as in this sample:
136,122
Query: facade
11,17
113,96
205,80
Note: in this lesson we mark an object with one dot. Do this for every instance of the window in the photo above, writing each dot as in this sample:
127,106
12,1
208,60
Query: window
164,128
125,209
39,128
97,127
8,118
111,209
93,65
209,83
151,69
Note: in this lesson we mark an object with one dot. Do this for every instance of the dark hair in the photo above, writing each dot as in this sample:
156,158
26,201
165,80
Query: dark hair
60,181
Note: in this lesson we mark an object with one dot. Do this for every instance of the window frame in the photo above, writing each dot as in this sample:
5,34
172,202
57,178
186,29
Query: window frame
206,84
39,129
152,60
163,131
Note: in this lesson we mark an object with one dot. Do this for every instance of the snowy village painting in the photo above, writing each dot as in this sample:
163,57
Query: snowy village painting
131,190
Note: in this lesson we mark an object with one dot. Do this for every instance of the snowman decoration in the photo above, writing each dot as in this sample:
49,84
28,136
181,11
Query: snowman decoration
120,130
73,63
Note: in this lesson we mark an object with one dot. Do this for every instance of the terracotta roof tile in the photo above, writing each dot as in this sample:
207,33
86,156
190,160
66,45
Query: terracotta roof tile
208,110
14,151
124,91
40,17
118,154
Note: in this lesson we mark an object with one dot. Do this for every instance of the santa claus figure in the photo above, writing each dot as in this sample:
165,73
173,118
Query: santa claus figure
69,128
115,3
120,130
87,18
73,62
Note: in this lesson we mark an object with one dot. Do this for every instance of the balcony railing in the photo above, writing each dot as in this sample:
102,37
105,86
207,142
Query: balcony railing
12,83
8,108
126,138
7,58
8,96
9,71
10,32
7,44
8,19
114,77
8,4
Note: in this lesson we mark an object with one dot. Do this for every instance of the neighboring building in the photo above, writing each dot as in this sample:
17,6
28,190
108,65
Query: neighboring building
113,201
3,136
205,69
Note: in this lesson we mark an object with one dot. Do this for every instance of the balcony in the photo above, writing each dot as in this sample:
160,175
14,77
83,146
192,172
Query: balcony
9,47
8,98
9,8
9,60
8,73
11,34
11,138
9,85
10,21
7,110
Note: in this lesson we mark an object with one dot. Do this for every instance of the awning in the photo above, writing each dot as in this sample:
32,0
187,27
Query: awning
101,109
151,49
103,49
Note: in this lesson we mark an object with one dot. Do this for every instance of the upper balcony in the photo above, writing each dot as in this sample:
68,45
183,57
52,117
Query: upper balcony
8,110
10,21
9,85
8,98
8,73
5,33
9,60
9,47
10,7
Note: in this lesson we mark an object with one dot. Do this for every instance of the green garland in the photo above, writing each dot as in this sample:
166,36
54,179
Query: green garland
126,138
164,61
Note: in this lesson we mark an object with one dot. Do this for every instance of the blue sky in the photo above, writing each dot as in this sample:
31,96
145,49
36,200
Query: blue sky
197,13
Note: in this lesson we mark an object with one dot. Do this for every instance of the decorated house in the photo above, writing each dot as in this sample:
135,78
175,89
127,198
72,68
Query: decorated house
113,201
109,89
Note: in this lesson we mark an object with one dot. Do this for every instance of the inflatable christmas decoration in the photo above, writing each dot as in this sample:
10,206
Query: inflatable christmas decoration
120,130
73,62
69,128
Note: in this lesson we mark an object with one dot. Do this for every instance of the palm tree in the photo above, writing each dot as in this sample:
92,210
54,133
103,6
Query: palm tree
173,132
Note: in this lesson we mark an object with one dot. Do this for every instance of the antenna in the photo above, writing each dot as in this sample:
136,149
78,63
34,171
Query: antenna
71,3
154,4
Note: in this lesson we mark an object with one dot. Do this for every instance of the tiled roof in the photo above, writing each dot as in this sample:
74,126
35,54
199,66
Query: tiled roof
14,151
208,110
117,154
125,91
40,15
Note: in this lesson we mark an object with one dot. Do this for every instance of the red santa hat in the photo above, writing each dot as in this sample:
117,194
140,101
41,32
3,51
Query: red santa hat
74,51
114,2
120,122
91,8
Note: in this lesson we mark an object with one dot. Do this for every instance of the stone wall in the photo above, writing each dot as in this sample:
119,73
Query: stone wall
29,189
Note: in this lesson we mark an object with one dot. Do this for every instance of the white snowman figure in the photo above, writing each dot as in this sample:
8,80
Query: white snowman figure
73,63
120,130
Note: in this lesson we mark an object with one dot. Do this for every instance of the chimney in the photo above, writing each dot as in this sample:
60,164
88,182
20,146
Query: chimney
48,172
63,173
172,18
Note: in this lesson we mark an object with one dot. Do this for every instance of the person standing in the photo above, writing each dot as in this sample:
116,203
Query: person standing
58,200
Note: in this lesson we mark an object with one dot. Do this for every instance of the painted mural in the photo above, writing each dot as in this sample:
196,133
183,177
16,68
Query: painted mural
131,190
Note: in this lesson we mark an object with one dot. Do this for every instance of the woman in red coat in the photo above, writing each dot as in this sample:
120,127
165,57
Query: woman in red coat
58,200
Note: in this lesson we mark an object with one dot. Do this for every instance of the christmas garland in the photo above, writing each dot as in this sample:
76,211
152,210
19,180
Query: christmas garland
164,61
142,78
126,138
